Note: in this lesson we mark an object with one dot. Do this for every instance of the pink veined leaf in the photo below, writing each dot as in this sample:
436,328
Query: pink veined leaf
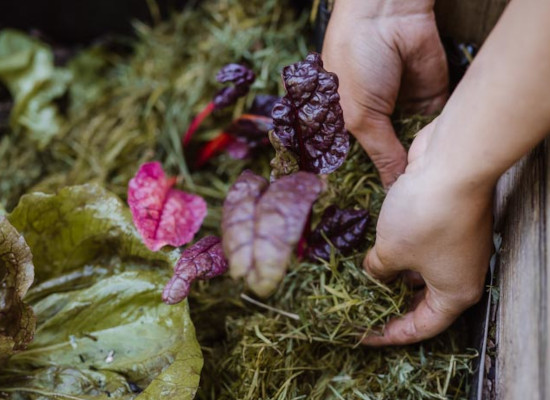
204,260
161,214
261,224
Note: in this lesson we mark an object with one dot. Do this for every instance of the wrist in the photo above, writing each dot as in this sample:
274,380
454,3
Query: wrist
448,162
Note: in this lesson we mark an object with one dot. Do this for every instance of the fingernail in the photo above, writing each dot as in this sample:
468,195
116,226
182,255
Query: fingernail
369,336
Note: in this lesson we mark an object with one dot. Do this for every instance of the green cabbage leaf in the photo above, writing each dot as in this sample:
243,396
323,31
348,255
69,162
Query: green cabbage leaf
102,330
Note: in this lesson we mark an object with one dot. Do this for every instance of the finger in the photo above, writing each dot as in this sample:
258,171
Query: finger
426,321
416,300
376,268
378,138
413,279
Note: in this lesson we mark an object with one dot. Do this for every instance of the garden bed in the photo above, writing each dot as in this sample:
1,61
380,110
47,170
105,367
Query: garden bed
130,107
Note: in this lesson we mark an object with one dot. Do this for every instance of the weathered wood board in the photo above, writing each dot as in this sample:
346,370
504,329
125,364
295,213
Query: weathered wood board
468,20
523,323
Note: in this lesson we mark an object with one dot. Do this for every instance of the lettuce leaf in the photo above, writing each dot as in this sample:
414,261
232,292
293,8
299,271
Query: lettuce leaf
77,226
102,329
17,319
27,69
114,338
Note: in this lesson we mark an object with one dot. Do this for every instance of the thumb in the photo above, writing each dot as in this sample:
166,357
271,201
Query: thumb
377,268
379,140
424,322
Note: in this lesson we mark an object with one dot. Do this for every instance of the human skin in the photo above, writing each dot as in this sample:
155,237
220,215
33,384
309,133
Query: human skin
385,52
436,219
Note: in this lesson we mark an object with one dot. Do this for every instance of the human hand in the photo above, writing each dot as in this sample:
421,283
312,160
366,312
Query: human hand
437,230
385,51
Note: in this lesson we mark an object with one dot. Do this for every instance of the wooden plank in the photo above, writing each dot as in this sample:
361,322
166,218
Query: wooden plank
468,20
523,325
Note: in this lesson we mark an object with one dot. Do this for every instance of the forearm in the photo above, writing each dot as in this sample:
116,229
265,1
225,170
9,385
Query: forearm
501,109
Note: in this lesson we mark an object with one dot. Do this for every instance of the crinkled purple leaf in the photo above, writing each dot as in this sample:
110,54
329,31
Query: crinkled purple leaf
162,215
250,132
17,319
252,128
345,229
262,223
308,120
263,105
204,260
240,76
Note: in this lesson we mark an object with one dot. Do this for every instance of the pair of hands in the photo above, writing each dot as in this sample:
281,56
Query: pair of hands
432,227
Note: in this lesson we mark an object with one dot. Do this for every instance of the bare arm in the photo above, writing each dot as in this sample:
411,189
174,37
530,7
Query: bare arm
502,107
436,220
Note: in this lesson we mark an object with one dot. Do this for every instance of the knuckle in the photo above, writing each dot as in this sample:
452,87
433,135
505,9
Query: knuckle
386,249
375,264
372,263
410,331
378,267
470,296
466,297
394,162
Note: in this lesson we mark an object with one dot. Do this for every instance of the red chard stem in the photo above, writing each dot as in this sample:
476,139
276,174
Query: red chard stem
302,244
197,121
216,145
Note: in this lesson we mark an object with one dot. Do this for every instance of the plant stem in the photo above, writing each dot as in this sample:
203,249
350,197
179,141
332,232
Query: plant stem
214,146
302,243
196,122
259,304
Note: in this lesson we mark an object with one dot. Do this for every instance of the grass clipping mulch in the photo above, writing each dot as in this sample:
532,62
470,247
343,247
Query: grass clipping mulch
302,342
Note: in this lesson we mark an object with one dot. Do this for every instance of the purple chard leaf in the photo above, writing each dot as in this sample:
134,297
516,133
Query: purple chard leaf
250,132
263,104
251,129
204,260
345,229
308,121
245,135
240,76
261,224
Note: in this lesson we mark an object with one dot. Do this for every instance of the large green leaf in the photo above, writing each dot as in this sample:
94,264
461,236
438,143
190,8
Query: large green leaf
78,226
110,340
102,331
27,69
16,275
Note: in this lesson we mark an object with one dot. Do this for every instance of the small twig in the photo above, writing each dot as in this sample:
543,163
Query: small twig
466,53
262,305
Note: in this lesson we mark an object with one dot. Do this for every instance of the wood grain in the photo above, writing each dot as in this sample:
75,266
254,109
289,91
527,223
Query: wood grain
522,212
468,20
